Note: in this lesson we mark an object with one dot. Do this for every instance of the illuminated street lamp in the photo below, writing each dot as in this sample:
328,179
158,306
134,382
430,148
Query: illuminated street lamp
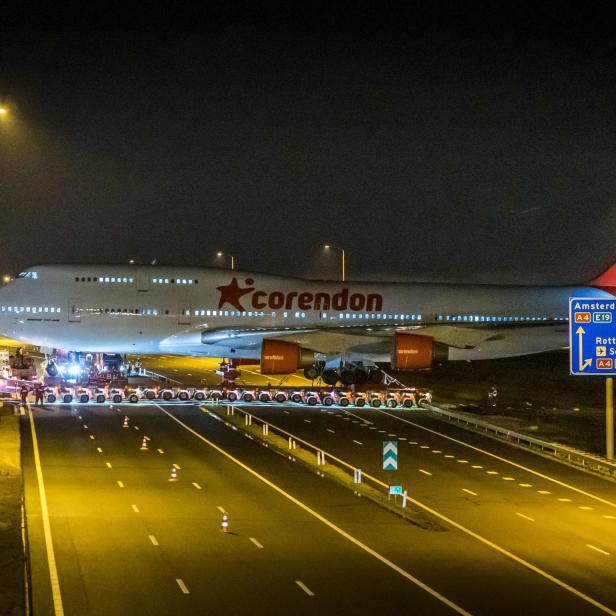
6,279
331,247
3,110
221,254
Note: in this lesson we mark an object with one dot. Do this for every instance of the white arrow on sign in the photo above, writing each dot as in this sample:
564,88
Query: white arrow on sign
583,364
390,463
390,446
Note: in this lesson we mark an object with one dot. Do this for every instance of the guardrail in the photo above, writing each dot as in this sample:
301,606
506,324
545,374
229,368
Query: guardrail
321,456
562,452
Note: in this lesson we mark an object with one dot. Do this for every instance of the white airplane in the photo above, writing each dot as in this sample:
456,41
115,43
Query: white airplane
286,324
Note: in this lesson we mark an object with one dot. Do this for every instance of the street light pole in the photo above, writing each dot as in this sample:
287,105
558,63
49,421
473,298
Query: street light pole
330,246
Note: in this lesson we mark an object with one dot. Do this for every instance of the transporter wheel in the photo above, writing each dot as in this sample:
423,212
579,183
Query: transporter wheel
84,398
423,402
117,398
67,398
215,395
407,403
232,397
248,397
280,397
328,401
265,397
100,398
133,398
51,398
183,396
360,402
200,396
150,395
343,402
294,398
312,400
391,403
375,403
166,395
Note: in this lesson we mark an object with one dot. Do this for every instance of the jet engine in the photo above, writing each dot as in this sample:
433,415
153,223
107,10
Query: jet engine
281,357
413,352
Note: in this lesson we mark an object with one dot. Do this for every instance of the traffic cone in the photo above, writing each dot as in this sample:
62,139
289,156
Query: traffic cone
225,523
125,424
174,474
144,444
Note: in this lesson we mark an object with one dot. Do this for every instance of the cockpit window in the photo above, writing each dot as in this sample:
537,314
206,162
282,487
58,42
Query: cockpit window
33,275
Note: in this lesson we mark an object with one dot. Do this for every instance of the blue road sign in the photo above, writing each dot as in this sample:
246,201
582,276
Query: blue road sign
395,490
592,336
390,455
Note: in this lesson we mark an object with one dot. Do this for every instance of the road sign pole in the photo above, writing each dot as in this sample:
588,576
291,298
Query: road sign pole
609,417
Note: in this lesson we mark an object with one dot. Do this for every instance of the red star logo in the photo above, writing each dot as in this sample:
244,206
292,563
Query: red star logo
231,293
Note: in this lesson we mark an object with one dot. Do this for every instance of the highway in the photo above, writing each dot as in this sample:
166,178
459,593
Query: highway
127,540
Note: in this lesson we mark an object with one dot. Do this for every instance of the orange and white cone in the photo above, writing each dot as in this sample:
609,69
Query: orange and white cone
174,474
224,525
125,424
144,444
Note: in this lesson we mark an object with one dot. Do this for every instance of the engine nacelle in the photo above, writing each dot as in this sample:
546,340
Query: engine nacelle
413,352
281,357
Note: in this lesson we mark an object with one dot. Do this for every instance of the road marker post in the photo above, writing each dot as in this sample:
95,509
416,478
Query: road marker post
224,525
144,444
405,495
265,429
174,474
125,424
609,417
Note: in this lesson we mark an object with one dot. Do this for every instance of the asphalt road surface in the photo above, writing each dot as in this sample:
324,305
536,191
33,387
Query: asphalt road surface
127,540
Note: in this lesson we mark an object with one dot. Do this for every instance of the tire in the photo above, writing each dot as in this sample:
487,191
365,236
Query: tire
311,373
248,397
215,395
100,398
422,402
84,398
296,398
51,398
343,402
360,402
347,377
67,398
264,397
312,401
375,403
391,403
407,403
150,395
330,377
133,398
117,398
199,396
232,397
183,396
166,395
328,401
280,397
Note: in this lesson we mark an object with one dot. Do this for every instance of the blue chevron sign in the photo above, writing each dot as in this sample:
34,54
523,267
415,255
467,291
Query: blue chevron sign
390,455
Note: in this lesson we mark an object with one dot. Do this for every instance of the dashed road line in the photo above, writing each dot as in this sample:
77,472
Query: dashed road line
177,466
463,461
257,543
182,586
99,449
108,464
197,486
594,547
564,500
469,492
491,472
160,451
421,470
477,466
135,508
304,588
85,427
508,478
448,455
609,517
91,437
525,485
358,442
585,508
332,431
153,539
120,484
221,509
543,492
525,517
436,451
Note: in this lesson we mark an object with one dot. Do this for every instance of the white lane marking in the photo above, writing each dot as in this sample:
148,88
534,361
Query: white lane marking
412,442
610,517
491,472
256,543
421,470
85,427
120,484
332,431
382,431
136,427
436,451
197,486
508,478
304,588
322,519
496,457
525,517
564,500
182,586
469,492
366,421
99,449
477,466
177,466
463,461
56,595
402,438
307,420
585,508
286,412
108,464
525,485
593,547
358,442
221,509
390,434
91,437
160,451
153,539
423,446
448,455
135,508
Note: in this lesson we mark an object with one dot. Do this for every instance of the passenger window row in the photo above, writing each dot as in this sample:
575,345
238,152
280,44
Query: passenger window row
31,309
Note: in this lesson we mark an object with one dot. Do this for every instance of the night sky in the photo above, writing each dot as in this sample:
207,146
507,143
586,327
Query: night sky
431,146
